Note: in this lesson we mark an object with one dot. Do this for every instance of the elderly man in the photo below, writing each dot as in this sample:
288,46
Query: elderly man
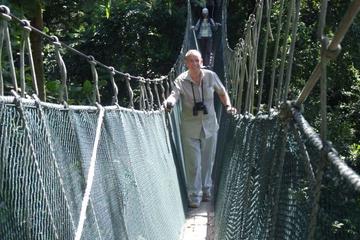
199,124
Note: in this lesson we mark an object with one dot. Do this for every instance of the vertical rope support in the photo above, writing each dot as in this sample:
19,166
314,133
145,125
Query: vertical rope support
157,93
264,55
27,31
64,96
48,136
292,50
91,173
18,102
149,93
276,50
242,73
323,127
5,16
130,91
234,74
284,51
143,98
25,34
252,64
96,93
305,155
163,89
167,88
283,141
2,33
114,100
258,25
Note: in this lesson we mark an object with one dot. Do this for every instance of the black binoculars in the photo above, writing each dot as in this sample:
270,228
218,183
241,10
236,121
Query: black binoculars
199,106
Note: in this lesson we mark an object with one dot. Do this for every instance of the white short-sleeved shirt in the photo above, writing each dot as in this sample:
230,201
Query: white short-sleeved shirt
192,126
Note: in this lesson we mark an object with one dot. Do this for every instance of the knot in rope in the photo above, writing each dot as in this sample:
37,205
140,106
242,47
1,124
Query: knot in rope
298,106
26,26
5,13
55,41
259,3
130,91
285,113
115,88
327,52
252,20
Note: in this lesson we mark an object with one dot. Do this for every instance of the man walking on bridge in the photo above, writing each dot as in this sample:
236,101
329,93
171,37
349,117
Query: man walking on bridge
199,124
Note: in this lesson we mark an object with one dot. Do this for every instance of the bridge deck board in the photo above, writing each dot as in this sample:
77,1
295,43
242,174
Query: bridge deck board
199,224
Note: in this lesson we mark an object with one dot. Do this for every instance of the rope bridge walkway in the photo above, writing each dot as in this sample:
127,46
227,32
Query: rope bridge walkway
113,172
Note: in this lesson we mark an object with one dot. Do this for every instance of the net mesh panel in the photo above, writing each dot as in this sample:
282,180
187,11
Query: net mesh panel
259,196
46,155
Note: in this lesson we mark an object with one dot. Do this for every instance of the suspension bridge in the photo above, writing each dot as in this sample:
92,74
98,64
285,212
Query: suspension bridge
116,172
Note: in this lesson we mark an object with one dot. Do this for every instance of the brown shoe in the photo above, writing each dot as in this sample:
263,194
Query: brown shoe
206,198
194,204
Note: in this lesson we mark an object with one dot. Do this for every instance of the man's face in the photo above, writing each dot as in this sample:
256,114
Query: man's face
194,62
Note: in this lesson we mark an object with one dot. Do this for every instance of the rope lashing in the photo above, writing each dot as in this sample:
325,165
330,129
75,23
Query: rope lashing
91,174
96,94
5,36
130,91
63,72
114,100
344,25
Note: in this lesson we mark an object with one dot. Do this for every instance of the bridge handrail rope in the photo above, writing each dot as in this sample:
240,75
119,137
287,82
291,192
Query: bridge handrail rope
345,171
6,16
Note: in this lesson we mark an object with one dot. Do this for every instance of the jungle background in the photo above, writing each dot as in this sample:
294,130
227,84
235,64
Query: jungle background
144,37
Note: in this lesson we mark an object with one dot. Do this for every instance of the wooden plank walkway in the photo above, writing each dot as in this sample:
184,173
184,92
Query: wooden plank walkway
199,224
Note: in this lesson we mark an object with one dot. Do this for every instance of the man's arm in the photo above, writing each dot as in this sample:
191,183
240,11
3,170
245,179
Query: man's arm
225,100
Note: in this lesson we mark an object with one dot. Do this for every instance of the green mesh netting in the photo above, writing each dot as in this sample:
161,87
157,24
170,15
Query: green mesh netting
264,190
46,155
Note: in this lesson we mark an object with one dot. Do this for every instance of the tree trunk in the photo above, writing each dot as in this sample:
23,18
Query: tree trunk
37,45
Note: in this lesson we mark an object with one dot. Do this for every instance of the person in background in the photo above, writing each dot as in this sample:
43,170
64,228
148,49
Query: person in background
199,125
205,27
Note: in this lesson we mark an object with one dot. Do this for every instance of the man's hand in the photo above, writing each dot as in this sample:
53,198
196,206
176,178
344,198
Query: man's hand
230,109
192,27
167,106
